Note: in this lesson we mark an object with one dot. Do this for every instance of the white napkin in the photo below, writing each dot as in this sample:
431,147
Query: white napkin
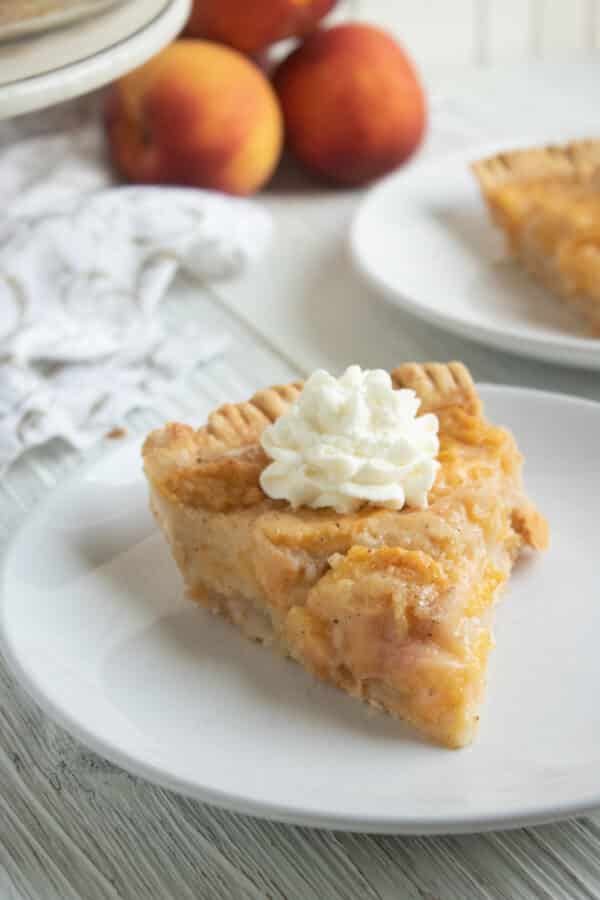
82,273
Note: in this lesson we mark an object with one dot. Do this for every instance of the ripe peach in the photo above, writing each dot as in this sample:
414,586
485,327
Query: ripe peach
198,114
252,26
352,104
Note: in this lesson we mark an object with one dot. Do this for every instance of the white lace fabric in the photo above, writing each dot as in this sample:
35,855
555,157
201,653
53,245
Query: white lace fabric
84,269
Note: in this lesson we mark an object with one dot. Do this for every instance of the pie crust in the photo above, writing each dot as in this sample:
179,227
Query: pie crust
547,201
393,607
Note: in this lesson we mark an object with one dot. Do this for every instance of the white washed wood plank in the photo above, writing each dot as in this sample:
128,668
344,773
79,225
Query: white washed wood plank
577,868
9,890
579,840
423,863
431,30
294,858
564,27
487,30
509,30
594,24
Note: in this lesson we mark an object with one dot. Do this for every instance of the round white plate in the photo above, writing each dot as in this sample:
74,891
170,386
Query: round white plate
95,626
425,238
44,69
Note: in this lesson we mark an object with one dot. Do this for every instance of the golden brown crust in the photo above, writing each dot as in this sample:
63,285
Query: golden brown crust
578,159
218,466
234,425
231,426
239,424
274,401
439,386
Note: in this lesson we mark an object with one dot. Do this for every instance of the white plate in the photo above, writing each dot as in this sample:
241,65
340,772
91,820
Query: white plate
50,15
44,69
425,239
95,626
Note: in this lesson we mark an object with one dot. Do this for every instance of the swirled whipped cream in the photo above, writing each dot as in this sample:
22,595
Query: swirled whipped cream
350,441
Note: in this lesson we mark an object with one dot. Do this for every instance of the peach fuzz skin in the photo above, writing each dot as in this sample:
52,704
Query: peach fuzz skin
197,114
352,103
253,26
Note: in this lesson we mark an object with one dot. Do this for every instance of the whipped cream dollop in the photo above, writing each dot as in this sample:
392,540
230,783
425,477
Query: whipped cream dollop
350,441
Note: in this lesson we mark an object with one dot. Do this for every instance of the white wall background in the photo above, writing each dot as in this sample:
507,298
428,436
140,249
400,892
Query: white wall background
485,31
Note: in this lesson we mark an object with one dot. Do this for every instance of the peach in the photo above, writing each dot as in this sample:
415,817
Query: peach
252,26
352,103
197,114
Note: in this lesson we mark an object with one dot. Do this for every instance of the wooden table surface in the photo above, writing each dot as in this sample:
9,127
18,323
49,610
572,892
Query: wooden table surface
75,826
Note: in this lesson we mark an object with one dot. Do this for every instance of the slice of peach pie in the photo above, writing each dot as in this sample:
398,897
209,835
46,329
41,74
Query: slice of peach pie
547,201
363,526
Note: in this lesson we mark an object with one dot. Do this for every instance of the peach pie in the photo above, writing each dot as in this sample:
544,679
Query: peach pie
390,604
547,201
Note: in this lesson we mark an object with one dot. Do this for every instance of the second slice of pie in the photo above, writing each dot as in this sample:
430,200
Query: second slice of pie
391,605
547,201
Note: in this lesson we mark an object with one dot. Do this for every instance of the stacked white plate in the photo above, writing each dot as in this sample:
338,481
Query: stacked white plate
52,50
26,17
